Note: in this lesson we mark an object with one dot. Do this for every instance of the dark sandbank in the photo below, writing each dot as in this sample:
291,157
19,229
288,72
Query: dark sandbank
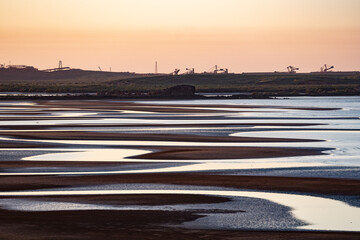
329,186
82,135
131,225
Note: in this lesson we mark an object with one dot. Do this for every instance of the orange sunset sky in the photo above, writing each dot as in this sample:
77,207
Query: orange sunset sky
130,35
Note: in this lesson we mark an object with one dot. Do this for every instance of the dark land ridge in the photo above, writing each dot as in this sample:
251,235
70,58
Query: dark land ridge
131,85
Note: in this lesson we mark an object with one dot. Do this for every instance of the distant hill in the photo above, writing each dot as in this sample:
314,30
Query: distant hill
125,83
268,84
27,74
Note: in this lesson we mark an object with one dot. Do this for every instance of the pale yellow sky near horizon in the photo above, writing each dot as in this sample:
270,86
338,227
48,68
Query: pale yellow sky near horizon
130,35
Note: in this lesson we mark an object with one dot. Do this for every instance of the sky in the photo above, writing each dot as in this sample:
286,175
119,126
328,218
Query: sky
130,35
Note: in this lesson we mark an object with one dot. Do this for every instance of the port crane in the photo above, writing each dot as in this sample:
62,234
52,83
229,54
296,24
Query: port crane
60,68
222,70
292,69
326,68
175,72
216,70
190,71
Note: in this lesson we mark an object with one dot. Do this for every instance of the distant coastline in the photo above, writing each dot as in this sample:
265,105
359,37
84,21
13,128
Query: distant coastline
82,84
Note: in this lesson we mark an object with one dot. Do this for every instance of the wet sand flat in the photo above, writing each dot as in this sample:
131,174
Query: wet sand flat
23,145
74,135
213,153
292,184
39,164
143,199
80,126
130,225
155,224
169,107
136,106
190,153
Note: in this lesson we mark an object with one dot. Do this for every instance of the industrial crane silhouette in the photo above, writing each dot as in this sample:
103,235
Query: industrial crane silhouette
175,72
60,68
292,69
326,68
216,70
190,71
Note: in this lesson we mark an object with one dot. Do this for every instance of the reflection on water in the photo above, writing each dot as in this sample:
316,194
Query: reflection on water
319,213
339,128
17,103
91,155
209,166
341,123
347,155
331,102
345,144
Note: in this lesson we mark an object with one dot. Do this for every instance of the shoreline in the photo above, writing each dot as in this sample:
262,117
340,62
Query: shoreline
86,96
